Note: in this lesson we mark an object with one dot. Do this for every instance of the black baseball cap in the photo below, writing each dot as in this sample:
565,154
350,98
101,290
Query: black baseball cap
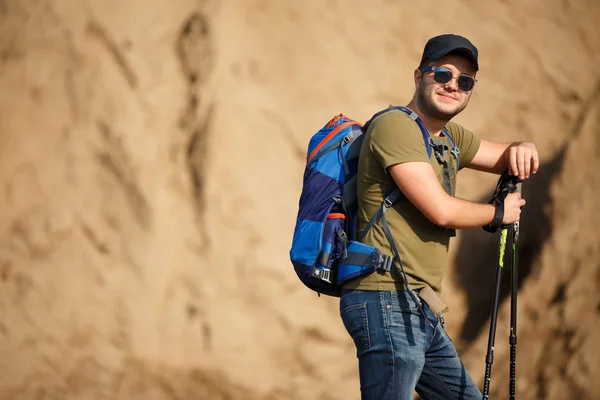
439,46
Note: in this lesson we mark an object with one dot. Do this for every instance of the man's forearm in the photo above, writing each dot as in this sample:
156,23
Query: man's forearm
492,157
460,214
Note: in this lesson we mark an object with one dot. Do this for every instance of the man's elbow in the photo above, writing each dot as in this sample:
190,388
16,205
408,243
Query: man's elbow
440,217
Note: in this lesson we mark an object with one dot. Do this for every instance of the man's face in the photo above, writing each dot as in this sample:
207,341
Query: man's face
443,101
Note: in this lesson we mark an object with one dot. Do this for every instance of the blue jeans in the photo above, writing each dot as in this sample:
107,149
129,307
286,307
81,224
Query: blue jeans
399,351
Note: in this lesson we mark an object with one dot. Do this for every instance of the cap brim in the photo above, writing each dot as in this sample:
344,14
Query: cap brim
463,50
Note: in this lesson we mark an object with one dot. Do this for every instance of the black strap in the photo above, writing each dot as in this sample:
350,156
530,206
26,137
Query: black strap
498,216
374,260
390,238
506,184
391,198
439,149
323,258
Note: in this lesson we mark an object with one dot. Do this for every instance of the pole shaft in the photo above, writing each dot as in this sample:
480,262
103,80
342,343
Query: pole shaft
489,359
514,275
514,288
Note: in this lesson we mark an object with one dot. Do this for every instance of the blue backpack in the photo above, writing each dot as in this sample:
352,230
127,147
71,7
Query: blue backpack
326,250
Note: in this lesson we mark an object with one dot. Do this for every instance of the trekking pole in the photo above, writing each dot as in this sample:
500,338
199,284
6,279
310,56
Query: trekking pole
506,184
513,304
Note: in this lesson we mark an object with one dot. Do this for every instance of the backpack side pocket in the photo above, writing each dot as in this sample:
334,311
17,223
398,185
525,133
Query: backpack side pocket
334,242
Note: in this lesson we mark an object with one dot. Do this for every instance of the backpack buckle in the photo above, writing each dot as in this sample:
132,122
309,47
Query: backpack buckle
347,138
385,262
387,202
322,274
439,157
455,152
438,149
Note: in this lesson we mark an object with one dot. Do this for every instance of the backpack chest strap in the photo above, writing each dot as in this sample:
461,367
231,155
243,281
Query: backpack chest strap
439,149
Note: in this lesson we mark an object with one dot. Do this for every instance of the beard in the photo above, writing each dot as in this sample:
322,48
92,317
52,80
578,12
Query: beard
429,108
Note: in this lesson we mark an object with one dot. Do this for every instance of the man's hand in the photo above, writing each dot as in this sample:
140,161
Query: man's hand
522,159
512,208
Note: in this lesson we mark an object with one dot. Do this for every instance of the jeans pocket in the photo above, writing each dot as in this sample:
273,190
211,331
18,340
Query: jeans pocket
356,322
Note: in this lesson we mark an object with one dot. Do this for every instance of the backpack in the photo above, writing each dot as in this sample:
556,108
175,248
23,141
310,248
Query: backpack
326,250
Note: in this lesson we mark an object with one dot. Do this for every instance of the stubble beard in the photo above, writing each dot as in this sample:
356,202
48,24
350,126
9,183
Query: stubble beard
429,108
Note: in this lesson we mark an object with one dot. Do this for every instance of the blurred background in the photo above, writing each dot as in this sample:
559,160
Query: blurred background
151,161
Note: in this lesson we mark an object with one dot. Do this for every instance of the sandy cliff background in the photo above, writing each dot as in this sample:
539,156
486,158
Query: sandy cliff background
151,157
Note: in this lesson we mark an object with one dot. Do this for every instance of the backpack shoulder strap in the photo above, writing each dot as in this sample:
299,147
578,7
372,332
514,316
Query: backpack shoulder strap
389,199
424,130
394,195
414,117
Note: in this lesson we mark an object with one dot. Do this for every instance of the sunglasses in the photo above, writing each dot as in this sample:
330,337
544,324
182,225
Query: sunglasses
444,75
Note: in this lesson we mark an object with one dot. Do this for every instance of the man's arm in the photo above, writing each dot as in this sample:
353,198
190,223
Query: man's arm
521,158
418,183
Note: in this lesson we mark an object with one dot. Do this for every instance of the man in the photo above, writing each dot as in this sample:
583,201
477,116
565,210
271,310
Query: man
401,343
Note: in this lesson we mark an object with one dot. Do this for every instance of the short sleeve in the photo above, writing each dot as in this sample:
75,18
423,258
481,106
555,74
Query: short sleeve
467,142
396,138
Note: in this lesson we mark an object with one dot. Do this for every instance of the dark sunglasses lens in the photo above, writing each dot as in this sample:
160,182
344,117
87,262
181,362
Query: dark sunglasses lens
466,83
442,75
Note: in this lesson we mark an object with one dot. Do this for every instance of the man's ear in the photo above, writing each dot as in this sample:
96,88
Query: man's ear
417,76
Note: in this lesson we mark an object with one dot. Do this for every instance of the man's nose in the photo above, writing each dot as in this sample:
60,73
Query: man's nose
452,84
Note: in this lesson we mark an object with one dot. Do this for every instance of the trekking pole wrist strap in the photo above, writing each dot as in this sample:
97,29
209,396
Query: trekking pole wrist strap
498,216
506,184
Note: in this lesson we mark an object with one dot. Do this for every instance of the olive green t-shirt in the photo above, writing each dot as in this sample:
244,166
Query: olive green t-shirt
394,138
